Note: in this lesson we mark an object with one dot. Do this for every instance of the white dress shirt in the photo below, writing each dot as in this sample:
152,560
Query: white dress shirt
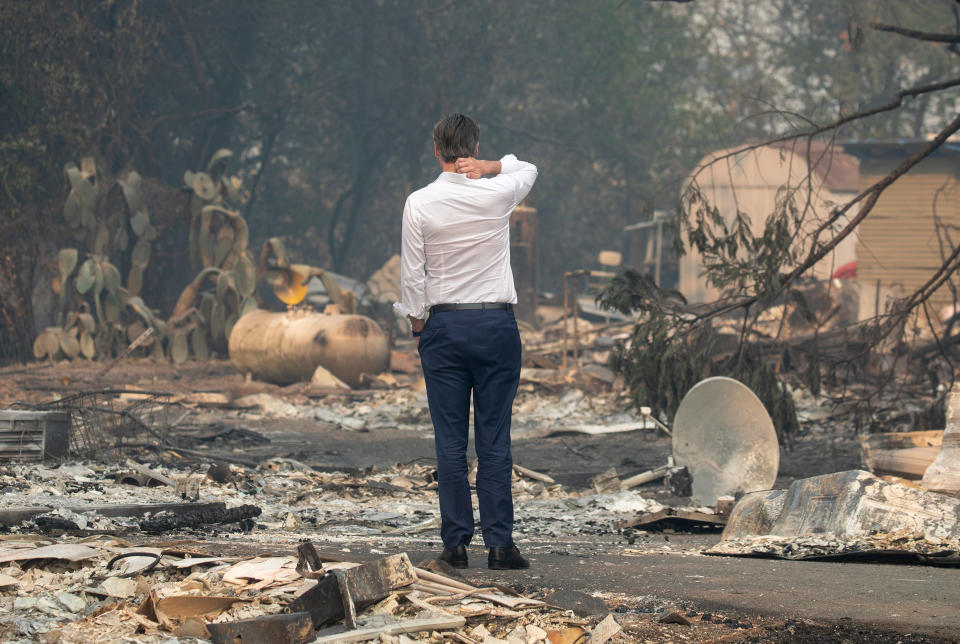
456,239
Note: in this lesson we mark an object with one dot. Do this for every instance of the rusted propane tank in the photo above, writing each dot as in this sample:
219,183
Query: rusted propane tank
288,347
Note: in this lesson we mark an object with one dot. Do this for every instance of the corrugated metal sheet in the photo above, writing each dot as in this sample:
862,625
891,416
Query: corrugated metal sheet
914,225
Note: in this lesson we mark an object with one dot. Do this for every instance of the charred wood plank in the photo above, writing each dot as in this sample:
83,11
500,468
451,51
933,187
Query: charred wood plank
16,515
349,609
295,628
366,584
190,519
310,560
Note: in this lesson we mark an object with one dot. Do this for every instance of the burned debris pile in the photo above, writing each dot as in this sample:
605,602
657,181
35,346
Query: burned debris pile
106,588
164,530
84,556
910,511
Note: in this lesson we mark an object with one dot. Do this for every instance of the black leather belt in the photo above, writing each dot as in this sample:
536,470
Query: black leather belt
471,306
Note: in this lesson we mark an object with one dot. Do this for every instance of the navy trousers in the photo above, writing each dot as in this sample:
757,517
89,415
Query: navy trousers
478,352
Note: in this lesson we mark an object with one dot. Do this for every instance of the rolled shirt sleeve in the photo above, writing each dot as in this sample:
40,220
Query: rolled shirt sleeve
412,267
518,174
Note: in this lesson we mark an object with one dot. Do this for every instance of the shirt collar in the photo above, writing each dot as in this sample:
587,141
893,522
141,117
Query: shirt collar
452,177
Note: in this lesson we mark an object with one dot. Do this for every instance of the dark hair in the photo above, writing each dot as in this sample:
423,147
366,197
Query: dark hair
456,136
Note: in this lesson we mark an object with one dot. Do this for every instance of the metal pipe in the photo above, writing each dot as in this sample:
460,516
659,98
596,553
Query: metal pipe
876,301
576,335
645,477
647,412
656,268
565,276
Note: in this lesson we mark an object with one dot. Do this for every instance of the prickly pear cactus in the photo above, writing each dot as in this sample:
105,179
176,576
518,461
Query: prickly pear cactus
102,310
97,309
224,287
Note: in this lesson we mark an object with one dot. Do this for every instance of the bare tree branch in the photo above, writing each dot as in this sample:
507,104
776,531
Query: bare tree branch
869,197
524,132
871,194
917,35
425,10
154,121
624,2
922,294
894,103
271,139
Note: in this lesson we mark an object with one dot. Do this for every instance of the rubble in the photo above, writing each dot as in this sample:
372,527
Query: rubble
605,630
84,515
219,444
383,625
645,477
943,475
341,594
259,597
673,617
193,518
842,514
680,483
677,519
384,284
323,378
99,498
930,457
295,628
905,454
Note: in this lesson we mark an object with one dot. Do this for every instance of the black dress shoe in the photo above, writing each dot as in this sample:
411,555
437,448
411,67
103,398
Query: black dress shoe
456,557
506,559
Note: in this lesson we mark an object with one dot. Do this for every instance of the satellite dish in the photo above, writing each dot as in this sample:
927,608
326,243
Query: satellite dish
723,434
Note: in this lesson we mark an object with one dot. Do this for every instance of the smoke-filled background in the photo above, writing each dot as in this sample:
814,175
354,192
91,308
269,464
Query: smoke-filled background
328,108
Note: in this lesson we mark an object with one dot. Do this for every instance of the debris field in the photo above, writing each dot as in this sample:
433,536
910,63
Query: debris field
201,505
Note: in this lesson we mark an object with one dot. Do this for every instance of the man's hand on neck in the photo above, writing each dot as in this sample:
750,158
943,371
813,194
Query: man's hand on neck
474,168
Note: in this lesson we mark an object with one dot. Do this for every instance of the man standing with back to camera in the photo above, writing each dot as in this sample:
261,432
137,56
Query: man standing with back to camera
456,266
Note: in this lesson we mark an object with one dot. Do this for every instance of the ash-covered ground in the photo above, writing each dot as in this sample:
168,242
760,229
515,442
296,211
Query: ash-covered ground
353,473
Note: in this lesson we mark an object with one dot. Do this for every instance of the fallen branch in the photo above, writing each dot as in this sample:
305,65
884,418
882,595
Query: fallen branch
133,345
917,35
531,474
166,447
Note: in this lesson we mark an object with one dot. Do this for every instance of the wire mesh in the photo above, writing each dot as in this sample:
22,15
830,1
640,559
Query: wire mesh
101,421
